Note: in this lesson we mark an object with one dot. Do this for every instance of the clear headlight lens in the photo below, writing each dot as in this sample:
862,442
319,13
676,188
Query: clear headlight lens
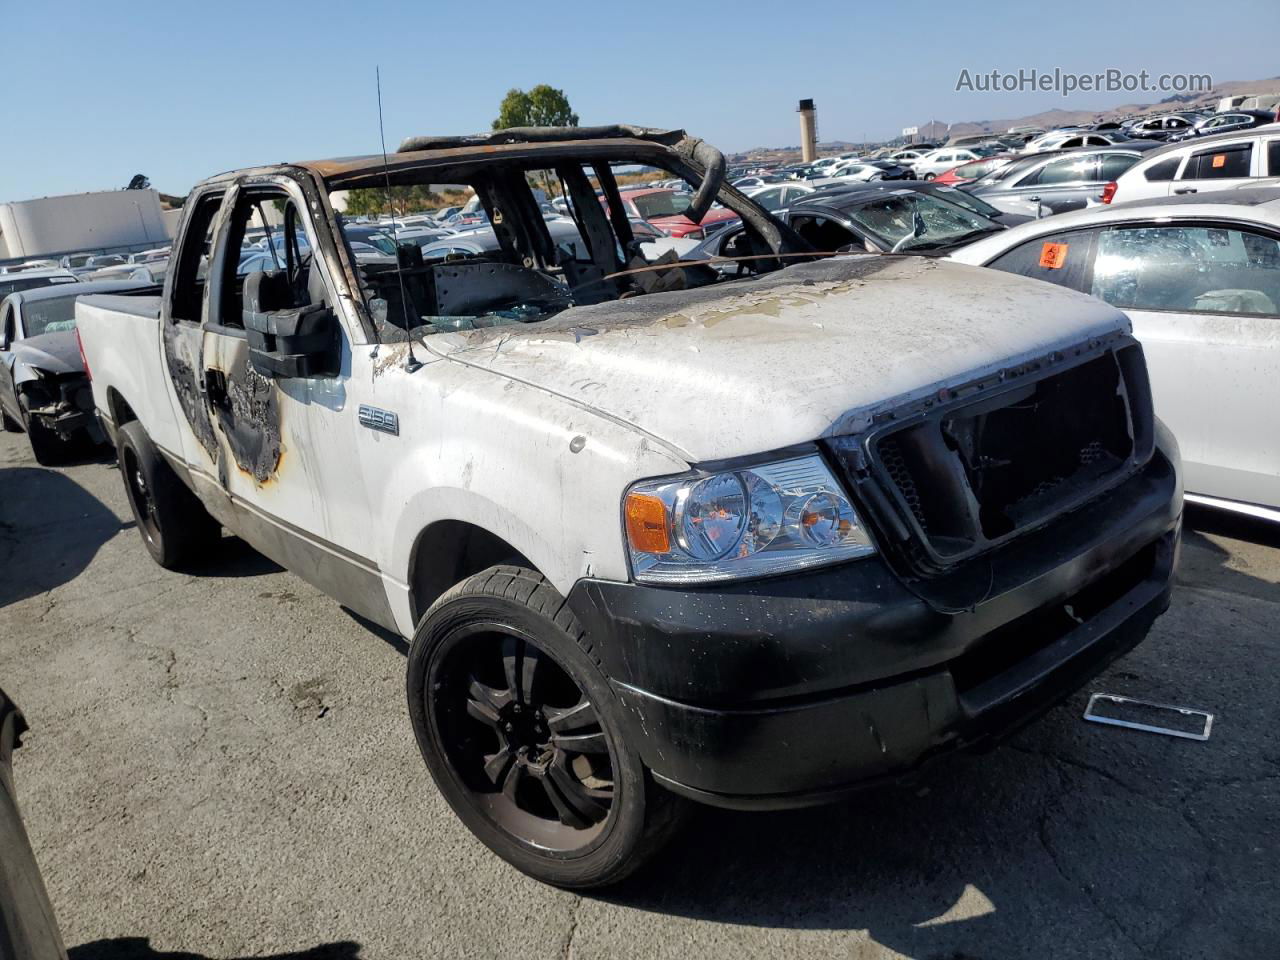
753,522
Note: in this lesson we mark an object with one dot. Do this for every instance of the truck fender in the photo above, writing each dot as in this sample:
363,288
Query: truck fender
431,506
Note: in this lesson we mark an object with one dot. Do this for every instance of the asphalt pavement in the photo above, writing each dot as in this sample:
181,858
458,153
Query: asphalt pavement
220,765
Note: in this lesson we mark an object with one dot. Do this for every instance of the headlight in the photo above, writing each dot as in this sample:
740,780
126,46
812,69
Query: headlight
753,522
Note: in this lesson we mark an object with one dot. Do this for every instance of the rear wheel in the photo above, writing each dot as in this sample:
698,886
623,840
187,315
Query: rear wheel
522,734
174,525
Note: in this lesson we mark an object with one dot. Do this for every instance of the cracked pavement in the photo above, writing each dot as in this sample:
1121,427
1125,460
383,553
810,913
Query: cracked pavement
220,765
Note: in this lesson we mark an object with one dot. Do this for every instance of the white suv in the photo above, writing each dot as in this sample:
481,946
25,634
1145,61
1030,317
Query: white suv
940,161
1202,165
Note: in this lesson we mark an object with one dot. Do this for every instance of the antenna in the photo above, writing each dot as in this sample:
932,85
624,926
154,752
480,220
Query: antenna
411,363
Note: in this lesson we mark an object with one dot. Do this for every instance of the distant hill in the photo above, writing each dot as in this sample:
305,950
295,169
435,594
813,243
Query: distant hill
1057,117
1048,119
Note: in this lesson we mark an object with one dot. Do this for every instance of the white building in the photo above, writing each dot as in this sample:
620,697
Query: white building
82,221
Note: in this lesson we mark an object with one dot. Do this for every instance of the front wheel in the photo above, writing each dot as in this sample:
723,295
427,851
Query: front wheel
522,734
47,447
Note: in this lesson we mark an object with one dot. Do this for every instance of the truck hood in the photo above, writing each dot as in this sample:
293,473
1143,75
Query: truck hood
814,350
50,352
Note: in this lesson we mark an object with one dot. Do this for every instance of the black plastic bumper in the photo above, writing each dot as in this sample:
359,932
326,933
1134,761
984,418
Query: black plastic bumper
793,690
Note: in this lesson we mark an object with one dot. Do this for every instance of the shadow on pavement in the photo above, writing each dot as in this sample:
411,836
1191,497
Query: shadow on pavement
139,948
50,528
947,868
389,637
231,558
1233,525
1207,565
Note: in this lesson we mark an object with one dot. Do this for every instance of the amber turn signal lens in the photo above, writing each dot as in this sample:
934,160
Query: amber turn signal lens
647,523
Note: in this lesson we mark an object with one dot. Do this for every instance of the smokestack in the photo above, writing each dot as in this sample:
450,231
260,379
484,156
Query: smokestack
808,131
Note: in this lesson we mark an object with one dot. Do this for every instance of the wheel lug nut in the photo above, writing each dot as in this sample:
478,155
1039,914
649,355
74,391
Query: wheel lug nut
516,708
507,727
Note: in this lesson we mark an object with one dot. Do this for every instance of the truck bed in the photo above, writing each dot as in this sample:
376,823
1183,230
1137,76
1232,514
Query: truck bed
120,335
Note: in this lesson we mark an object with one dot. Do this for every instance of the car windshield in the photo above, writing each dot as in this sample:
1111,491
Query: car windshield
918,221
49,316
650,205
379,241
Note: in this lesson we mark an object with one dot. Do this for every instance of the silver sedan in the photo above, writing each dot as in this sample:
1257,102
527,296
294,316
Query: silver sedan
1200,279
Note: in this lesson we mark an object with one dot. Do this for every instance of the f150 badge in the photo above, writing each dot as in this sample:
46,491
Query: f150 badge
375,418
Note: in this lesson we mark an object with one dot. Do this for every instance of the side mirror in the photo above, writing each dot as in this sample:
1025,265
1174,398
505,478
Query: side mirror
290,341
297,342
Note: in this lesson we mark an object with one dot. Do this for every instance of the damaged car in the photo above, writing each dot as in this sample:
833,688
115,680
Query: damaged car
43,387
657,533
28,927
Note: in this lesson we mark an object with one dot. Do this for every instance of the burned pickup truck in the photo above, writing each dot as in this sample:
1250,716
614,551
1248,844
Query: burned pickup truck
658,532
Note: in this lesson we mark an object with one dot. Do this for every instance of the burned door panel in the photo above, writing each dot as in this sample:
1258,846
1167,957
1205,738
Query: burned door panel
245,405
284,440
182,354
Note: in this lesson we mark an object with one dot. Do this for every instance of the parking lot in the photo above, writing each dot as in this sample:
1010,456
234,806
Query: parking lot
221,765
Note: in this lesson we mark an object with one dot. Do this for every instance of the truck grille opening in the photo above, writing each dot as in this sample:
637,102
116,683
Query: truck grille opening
974,474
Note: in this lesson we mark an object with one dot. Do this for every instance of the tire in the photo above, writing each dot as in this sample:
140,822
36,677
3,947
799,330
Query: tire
174,524
47,447
499,663
929,176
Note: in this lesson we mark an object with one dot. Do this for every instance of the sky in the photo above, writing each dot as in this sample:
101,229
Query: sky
96,92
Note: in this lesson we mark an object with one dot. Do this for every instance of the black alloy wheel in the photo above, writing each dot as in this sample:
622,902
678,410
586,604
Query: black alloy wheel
525,736
141,498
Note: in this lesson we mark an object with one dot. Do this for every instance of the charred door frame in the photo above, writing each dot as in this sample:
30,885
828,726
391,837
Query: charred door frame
353,580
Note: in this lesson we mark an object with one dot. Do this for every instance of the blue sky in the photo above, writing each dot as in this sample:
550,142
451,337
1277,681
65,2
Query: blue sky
96,92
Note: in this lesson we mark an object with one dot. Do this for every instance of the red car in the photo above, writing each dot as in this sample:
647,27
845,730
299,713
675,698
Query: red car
663,208
973,170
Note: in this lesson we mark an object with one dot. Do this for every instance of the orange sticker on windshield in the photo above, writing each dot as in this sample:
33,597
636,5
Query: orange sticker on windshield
1219,160
1053,256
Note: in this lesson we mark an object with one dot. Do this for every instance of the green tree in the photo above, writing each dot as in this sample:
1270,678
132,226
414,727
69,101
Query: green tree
541,106
371,201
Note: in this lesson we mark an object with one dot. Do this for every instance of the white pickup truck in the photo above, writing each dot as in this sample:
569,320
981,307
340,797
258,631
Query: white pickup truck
657,532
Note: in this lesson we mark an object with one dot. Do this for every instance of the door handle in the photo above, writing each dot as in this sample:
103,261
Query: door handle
1182,190
215,388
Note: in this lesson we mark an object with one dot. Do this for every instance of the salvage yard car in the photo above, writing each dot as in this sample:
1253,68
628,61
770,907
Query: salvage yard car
43,388
665,210
1048,183
1200,279
28,928
1202,165
889,219
656,534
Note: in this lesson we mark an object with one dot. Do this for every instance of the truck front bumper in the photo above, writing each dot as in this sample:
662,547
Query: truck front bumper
795,690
